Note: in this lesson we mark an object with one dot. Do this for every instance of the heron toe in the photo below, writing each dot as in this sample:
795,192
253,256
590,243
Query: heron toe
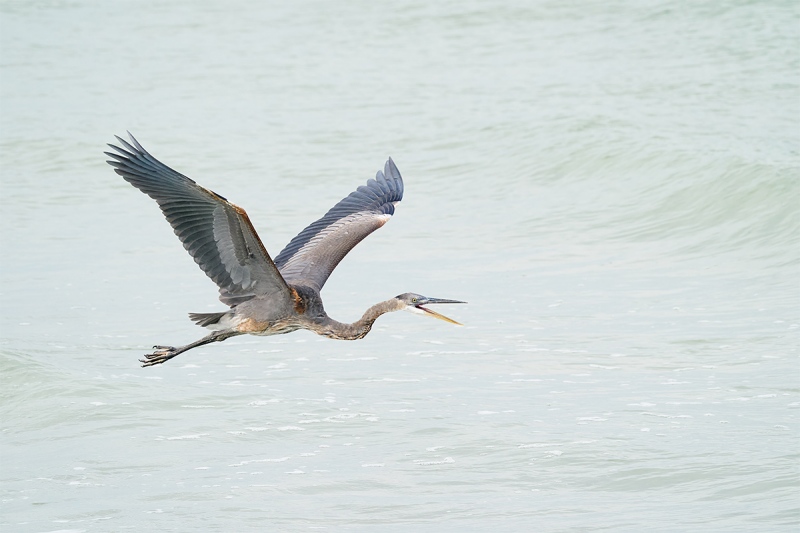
160,355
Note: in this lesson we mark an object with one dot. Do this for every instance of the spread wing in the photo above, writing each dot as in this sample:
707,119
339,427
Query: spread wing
217,234
310,257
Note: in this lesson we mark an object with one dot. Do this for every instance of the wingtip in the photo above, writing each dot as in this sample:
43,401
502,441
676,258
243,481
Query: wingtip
130,147
391,171
118,152
135,142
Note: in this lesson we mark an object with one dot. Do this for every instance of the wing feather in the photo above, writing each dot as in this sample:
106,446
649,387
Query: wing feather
312,255
216,233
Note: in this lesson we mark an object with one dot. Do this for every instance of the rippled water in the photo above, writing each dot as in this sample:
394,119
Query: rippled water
613,188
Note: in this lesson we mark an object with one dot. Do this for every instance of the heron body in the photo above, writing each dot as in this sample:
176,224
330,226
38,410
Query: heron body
266,297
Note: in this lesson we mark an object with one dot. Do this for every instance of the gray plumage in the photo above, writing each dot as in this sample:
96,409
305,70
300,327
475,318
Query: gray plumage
265,297
310,257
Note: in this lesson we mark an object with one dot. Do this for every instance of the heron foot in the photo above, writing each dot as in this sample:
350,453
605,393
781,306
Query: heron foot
160,355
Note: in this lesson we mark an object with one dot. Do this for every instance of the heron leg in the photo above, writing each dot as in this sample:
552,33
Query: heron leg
162,354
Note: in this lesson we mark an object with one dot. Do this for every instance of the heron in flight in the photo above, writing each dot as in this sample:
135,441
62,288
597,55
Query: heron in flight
266,297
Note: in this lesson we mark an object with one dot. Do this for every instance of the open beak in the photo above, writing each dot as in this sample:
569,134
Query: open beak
434,314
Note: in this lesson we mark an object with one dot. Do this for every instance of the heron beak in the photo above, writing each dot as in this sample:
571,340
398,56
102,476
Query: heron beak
434,314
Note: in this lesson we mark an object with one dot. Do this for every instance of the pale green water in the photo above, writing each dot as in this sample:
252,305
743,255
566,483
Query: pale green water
613,187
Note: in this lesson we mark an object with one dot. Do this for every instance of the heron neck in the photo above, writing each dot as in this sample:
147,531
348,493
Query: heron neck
362,326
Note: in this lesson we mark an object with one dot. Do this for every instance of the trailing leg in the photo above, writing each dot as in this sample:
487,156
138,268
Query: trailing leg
165,353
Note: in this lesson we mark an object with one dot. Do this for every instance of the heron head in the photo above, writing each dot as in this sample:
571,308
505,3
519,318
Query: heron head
415,303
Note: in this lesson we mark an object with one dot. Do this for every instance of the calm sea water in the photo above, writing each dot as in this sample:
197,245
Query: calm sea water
612,186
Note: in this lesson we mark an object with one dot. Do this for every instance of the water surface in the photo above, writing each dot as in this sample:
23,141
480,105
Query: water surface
613,188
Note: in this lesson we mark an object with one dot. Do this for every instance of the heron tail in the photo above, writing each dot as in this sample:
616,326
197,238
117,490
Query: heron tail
207,319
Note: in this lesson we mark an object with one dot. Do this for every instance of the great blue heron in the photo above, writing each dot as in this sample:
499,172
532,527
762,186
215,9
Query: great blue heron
266,297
